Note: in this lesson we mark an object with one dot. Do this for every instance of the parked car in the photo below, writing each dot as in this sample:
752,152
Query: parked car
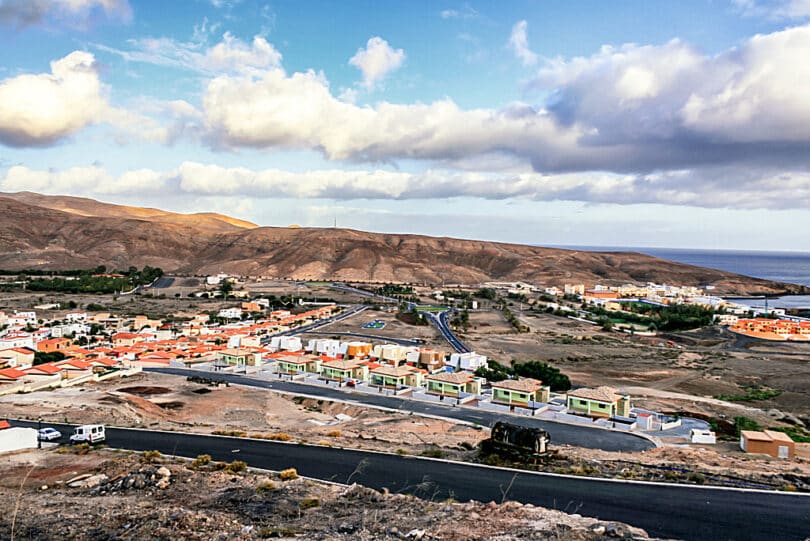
350,383
88,434
48,434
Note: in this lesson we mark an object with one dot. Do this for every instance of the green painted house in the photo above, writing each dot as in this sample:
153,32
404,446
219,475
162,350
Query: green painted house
452,383
298,364
519,392
599,402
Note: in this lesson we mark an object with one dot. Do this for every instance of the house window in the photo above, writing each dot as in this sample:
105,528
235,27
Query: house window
582,403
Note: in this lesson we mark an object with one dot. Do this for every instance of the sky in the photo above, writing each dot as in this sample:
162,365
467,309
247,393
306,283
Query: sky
637,123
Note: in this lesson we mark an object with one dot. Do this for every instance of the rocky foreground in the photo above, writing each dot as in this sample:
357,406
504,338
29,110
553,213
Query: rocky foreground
101,495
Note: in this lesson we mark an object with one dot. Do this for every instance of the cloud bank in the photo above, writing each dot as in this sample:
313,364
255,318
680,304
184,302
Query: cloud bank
777,190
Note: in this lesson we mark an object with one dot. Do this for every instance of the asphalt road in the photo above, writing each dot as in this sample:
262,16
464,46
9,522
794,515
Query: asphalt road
581,436
362,292
162,282
672,511
440,322
356,309
387,339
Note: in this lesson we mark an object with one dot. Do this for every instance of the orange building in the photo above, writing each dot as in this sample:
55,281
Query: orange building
53,344
767,442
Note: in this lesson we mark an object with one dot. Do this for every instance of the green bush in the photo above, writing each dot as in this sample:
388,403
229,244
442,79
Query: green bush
744,423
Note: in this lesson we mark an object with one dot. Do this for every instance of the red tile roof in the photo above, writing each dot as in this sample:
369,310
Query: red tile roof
11,373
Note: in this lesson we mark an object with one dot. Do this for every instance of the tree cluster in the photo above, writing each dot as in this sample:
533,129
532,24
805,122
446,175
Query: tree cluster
544,372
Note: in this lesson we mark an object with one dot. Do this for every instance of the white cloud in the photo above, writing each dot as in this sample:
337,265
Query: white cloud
707,188
81,180
28,12
774,9
377,60
231,55
465,12
519,42
229,4
752,93
43,108
299,111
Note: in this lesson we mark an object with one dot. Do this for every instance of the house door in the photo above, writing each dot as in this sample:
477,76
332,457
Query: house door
784,451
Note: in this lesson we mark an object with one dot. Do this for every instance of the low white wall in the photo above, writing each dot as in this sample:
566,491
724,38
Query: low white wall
573,418
674,424
11,388
15,438
425,396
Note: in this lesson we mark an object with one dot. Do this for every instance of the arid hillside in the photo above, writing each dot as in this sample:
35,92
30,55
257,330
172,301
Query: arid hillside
90,207
36,235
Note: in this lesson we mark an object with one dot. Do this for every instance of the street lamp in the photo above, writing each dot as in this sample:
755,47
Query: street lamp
39,427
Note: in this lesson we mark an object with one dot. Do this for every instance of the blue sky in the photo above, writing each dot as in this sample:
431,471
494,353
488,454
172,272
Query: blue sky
674,124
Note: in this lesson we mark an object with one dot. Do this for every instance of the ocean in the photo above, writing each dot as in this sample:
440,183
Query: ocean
792,267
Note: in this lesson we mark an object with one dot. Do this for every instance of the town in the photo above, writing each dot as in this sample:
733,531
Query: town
46,348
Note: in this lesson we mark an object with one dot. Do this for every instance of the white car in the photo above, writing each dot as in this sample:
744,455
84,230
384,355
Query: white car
48,434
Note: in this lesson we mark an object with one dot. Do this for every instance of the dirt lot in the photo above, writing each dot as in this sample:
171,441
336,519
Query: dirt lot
171,402
122,500
394,328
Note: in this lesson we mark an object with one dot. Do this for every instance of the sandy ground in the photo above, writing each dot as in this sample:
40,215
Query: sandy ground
170,402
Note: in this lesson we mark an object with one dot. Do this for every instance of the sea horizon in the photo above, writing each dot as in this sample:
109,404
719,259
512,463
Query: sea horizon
777,265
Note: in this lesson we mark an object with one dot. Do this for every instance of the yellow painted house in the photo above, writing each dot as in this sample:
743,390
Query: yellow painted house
342,370
396,376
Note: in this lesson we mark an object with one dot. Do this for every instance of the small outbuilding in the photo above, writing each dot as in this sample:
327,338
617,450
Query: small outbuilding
767,442
14,438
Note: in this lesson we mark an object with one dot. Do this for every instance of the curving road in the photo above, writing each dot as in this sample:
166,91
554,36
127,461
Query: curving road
561,433
672,511
356,309
385,339
441,323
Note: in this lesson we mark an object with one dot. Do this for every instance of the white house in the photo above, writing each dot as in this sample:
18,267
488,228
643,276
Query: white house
286,343
28,318
230,313
17,340
74,317
216,279
327,346
467,361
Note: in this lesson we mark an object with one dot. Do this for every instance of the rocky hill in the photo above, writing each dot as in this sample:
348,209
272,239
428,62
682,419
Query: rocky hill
90,207
66,233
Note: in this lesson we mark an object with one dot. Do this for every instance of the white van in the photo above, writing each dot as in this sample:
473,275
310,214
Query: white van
88,433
